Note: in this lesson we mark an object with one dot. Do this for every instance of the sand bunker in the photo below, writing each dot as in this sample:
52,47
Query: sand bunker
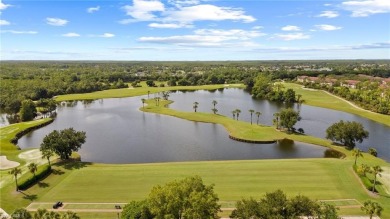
7,164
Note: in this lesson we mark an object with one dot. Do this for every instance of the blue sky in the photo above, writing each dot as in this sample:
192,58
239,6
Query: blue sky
194,30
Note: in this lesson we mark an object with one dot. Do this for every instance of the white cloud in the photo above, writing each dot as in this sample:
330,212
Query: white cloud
235,33
327,27
4,23
4,6
169,25
188,12
181,3
209,38
56,21
257,27
291,28
71,35
292,36
366,8
207,13
142,10
107,35
329,14
18,32
93,9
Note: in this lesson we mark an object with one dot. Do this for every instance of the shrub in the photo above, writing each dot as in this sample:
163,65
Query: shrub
331,153
42,172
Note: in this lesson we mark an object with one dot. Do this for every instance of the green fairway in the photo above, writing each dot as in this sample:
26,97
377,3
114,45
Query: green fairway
322,99
131,92
321,179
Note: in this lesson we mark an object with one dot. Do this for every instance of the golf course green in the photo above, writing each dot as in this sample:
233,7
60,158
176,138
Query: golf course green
321,179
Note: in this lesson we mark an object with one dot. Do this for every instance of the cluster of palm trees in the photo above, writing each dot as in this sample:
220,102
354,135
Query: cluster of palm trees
363,168
235,113
32,167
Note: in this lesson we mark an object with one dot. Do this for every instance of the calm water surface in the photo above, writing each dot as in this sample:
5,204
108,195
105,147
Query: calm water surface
117,132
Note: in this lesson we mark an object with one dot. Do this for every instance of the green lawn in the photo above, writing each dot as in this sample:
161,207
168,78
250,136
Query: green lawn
131,92
321,179
322,99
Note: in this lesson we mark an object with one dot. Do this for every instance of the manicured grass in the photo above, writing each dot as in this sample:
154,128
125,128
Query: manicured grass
320,179
322,99
131,92
9,132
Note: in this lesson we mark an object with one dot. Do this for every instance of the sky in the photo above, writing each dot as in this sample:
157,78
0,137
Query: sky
169,30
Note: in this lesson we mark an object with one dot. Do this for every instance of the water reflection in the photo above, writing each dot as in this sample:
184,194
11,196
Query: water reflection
117,132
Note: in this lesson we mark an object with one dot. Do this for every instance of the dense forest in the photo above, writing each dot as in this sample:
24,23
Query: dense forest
34,80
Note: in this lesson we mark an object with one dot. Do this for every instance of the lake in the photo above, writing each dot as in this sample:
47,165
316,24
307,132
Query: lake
117,132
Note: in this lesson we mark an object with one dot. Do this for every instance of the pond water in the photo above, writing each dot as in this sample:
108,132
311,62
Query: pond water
117,132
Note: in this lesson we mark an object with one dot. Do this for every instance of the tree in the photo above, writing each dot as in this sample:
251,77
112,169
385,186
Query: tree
195,106
371,208
251,111
373,152
276,120
375,170
21,213
357,153
288,118
40,213
262,86
165,95
47,154
63,142
143,102
238,111
150,83
363,169
52,215
327,211
33,167
258,114
28,110
137,210
16,171
276,205
70,215
187,198
214,103
289,96
347,133
234,114
214,110
246,208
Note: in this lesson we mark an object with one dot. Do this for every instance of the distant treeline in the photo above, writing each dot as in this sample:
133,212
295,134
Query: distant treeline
35,80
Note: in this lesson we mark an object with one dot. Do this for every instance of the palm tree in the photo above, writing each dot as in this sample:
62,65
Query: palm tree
251,111
376,170
234,114
357,153
143,102
371,208
214,110
15,171
47,154
363,169
158,100
276,120
214,103
148,94
300,102
298,97
258,114
33,167
238,111
195,106
40,213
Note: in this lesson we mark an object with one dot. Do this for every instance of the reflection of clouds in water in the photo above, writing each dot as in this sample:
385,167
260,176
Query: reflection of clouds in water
96,118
